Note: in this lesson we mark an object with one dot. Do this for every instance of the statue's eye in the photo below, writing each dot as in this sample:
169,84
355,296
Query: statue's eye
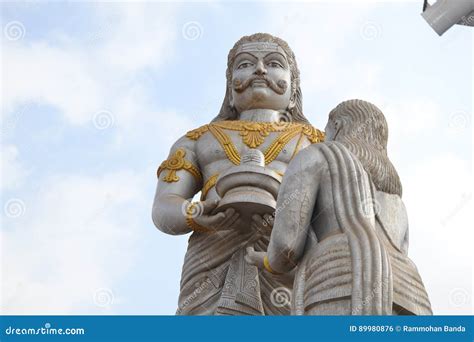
274,64
244,65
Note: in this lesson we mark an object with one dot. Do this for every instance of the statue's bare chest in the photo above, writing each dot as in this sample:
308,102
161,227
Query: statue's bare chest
215,155
221,145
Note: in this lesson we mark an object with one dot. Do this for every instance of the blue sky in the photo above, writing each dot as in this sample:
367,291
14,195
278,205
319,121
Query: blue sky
82,240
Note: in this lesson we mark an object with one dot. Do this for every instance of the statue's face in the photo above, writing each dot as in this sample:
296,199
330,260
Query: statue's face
261,77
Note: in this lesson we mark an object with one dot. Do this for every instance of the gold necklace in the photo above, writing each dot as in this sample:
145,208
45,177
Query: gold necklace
253,133
270,153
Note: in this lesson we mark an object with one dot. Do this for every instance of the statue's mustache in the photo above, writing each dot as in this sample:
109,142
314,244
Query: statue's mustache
278,87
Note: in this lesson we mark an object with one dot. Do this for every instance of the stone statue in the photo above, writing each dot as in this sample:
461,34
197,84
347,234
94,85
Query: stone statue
237,162
346,236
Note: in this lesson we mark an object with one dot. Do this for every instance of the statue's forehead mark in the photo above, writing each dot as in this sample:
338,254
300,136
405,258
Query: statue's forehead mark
262,47
259,46
253,49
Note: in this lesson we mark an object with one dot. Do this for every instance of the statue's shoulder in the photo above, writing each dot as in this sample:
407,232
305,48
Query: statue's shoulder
183,143
188,141
196,133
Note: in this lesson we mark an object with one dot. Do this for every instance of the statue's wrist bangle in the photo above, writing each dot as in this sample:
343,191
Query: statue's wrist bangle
266,263
190,212
196,226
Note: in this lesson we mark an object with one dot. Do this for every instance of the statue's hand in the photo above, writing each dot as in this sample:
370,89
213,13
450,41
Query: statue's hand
225,220
254,258
262,224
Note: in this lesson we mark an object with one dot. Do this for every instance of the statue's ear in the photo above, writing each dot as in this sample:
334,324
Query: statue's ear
291,104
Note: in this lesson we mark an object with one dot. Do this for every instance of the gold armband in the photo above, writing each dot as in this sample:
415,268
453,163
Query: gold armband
175,163
190,212
266,263
210,183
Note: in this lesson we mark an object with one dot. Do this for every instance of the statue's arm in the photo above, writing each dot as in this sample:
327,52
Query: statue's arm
295,205
178,181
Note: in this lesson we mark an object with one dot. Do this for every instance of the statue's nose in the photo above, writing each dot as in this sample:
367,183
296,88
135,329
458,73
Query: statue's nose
260,70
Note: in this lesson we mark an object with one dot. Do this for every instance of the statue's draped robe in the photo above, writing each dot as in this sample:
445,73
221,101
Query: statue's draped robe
217,280
360,271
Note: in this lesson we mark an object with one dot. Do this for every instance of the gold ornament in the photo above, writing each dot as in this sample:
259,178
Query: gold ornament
208,186
254,133
227,144
195,134
266,263
270,153
314,135
175,163
190,210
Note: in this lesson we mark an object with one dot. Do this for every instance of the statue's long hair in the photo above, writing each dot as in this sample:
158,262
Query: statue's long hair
364,131
295,112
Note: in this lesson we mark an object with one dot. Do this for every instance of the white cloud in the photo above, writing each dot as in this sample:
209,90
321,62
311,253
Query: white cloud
318,38
136,36
77,234
76,237
51,75
81,77
438,196
412,116
12,171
